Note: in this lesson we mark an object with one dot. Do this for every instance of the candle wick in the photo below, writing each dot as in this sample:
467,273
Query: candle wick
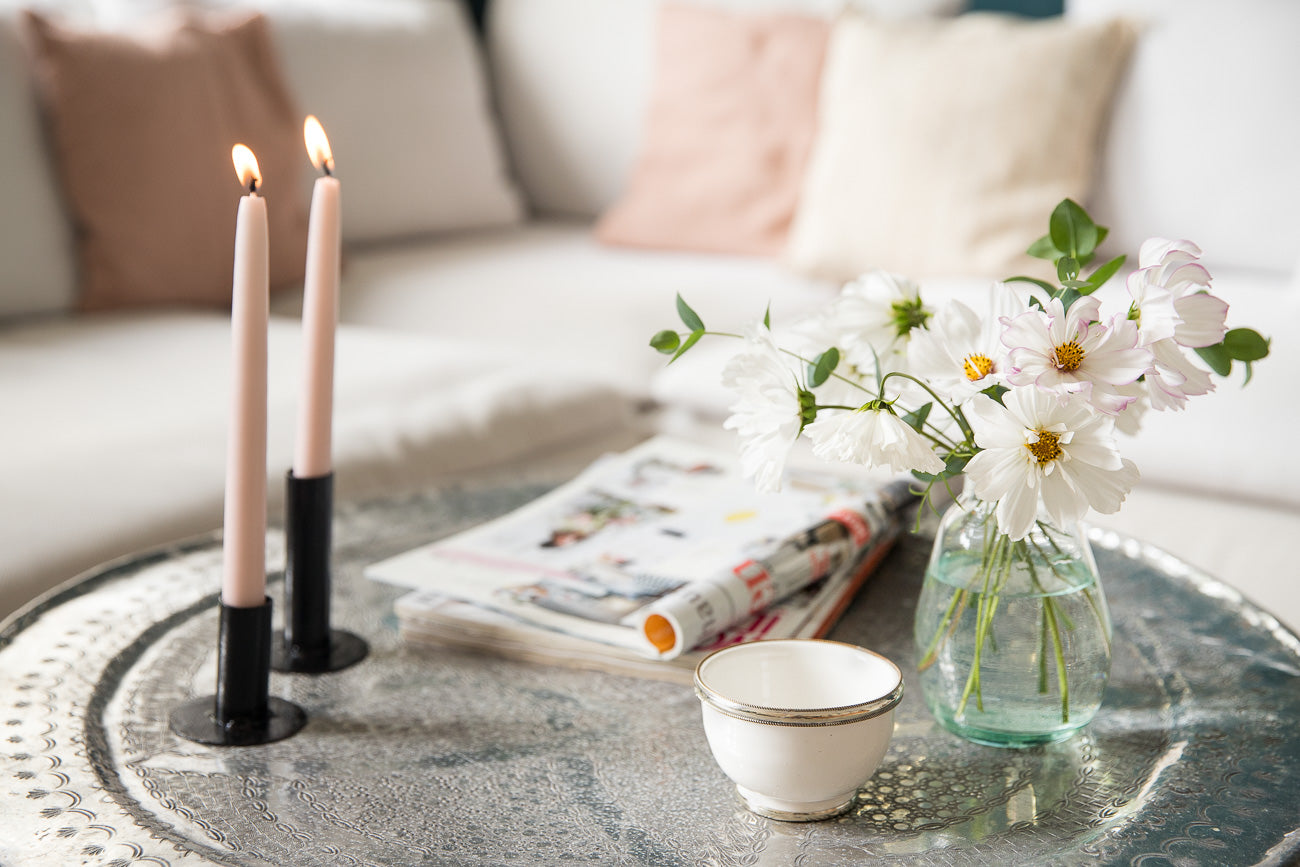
252,186
328,169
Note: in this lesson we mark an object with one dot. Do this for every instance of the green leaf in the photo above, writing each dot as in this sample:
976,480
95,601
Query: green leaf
1068,297
1217,358
1067,269
916,418
666,342
1041,284
952,466
767,317
1245,344
1099,277
690,341
1071,229
1043,248
1102,232
1249,372
822,366
996,391
689,316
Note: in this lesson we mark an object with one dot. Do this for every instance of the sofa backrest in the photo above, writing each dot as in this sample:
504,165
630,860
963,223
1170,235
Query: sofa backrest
572,79
1203,134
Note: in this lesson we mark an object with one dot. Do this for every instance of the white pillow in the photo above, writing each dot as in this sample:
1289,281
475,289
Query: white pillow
1203,138
400,87
37,263
943,146
572,81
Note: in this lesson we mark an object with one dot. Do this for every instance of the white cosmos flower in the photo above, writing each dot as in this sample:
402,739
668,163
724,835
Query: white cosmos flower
766,414
872,320
873,438
1171,295
959,353
1071,353
1173,308
1036,448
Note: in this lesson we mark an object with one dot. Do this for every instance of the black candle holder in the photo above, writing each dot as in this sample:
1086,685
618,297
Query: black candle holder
307,644
241,713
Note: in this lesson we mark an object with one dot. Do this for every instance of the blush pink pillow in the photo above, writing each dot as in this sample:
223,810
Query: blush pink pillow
729,130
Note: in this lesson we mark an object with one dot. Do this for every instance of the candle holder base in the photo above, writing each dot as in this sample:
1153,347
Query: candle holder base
242,713
342,650
197,721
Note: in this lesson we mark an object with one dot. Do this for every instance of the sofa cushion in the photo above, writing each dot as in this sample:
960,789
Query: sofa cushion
1202,144
401,90
142,128
942,145
37,271
116,424
728,133
572,80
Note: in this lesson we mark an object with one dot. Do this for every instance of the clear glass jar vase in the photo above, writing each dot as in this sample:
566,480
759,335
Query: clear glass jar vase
1012,637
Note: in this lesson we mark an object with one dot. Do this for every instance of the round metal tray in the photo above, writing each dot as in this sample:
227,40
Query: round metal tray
421,755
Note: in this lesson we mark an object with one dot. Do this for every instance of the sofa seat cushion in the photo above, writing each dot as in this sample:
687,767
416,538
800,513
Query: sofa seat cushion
116,428
548,290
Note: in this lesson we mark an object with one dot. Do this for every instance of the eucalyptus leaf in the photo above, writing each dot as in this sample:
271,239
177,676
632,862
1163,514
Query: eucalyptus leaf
822,366
1068,297
1067,269
666,342
689,316
690,341
1245,344
1043,248
1072,230
1217,358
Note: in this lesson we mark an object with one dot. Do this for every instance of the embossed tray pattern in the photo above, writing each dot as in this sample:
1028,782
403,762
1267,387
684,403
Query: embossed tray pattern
434,756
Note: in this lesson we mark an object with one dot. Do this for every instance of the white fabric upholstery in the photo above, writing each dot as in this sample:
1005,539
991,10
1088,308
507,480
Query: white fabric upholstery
115,428
37,270
572,78
548,290
1202,143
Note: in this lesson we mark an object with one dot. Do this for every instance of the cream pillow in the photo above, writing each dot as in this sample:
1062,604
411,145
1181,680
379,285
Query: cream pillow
944,145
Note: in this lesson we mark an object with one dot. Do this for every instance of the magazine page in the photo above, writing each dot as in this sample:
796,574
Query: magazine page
588,557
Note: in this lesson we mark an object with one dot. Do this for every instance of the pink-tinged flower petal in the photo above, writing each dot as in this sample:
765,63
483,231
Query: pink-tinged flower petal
1158,251
1204,319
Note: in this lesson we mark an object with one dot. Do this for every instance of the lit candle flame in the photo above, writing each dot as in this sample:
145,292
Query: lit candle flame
318,146
246,167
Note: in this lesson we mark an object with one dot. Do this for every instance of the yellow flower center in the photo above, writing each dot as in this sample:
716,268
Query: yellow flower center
1069,356
977,367
1048,447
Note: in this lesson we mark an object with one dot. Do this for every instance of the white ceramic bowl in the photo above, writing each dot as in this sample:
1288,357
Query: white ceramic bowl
798,724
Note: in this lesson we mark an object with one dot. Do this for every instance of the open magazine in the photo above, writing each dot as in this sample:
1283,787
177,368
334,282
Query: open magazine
573,576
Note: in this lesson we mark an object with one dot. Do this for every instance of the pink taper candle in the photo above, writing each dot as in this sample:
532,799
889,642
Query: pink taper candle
244,579
311,457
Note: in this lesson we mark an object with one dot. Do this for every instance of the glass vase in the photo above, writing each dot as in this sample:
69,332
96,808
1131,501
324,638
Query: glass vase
1013,637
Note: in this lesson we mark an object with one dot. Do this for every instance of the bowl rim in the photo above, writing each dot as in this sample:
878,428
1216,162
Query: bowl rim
821,716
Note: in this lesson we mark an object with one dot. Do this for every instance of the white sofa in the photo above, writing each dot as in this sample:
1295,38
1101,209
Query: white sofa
523,342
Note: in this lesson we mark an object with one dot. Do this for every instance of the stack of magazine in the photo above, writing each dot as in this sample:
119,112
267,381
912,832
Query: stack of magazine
572,577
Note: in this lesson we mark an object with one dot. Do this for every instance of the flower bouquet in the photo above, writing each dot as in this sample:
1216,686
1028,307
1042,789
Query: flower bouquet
1023,398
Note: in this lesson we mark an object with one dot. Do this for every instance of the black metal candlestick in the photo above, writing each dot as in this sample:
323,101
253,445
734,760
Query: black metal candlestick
241,713
307,644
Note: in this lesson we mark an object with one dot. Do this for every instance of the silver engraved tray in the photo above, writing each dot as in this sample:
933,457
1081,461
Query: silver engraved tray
430,756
